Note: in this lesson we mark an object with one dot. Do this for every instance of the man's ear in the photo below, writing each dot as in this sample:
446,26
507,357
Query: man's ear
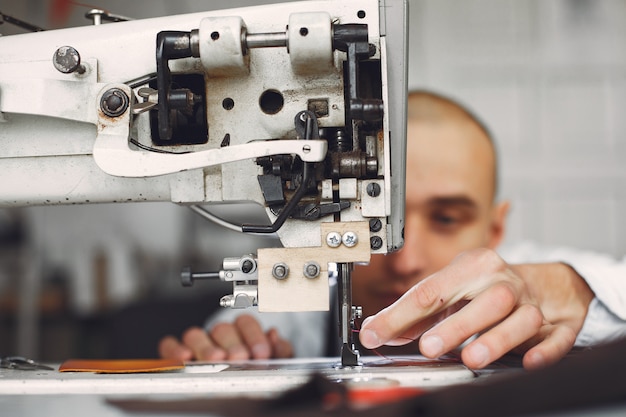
498,223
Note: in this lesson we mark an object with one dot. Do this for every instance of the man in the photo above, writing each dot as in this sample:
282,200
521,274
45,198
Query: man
447,283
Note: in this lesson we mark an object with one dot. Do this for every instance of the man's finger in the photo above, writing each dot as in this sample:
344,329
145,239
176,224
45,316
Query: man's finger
253,336
522,325
281,348
421,301
200,344
227,337
466,277
171,348
557,342
487,309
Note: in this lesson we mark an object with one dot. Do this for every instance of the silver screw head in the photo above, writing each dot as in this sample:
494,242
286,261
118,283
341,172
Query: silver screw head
311,269
280,270
226,301
333,239
350,239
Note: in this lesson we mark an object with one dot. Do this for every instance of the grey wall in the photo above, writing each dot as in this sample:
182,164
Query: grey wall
549,78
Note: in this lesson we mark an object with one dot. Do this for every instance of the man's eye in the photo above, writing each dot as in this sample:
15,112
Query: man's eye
445,220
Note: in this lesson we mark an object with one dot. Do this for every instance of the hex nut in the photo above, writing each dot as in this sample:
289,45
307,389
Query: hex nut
280,270
311,270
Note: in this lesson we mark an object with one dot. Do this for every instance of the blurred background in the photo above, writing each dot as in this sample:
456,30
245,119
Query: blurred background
547,76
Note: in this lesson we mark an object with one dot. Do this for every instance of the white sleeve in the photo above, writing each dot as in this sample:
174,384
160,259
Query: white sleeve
305,330
606,276
600,326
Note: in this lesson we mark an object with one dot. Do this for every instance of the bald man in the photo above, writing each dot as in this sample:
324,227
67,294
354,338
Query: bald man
447,284
451,209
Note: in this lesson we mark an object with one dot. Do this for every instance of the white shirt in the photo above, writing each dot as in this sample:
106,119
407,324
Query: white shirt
605,321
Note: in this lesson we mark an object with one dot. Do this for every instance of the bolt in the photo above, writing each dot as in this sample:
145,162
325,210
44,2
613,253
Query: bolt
114,102
350,239
375,225
373,189
376,242
66,60
311,269
357,312
333,239
227,301
280,270
247,266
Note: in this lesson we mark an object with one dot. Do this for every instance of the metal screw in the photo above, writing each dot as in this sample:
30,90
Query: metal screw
333,239
227,301
375,225
357,312
114,102
350,239
373,189
66,60
312,269
376,242
280,270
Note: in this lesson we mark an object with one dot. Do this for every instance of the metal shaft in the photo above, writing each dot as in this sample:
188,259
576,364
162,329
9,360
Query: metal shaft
349,356
266,40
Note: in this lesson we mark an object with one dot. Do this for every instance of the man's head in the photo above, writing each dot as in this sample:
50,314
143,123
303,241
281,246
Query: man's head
450,200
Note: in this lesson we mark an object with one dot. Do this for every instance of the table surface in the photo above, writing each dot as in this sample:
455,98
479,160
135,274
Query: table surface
52,393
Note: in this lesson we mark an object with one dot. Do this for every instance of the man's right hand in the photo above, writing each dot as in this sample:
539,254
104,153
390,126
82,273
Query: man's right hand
243,339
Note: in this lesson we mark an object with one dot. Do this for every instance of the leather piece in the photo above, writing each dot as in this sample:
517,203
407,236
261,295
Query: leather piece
121,366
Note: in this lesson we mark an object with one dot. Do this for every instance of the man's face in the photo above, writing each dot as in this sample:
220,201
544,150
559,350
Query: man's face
449,209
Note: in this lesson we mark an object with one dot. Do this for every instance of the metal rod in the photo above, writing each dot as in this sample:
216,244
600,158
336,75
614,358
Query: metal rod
20,23
349,356
266,40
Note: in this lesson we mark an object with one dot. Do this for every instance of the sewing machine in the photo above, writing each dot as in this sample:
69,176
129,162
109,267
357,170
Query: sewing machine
299,107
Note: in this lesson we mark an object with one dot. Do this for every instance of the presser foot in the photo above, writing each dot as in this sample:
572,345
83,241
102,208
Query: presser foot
349,356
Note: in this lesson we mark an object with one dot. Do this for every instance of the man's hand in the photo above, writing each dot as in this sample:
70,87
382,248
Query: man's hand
536,310
243,339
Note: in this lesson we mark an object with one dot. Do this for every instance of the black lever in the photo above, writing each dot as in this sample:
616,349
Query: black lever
172,45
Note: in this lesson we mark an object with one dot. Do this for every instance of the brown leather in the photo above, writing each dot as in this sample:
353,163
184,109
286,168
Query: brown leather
121,366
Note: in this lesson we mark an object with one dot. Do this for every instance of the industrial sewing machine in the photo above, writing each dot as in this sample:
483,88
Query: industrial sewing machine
299,107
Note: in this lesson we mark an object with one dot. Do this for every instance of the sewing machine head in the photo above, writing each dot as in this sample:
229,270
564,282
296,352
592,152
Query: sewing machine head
300,107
